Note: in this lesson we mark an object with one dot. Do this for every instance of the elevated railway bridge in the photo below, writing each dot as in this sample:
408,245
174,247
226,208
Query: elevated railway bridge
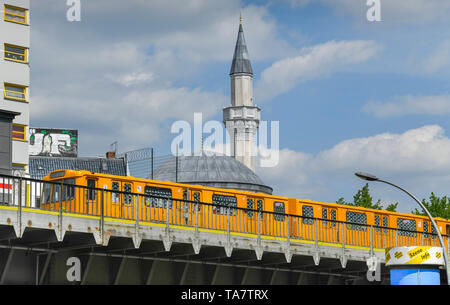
42,244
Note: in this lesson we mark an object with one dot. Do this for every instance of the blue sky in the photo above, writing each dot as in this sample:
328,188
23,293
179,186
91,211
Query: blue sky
350,95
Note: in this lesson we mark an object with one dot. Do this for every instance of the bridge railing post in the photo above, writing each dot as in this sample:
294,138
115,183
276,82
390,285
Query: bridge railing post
102,213
19,216
371,240
316,236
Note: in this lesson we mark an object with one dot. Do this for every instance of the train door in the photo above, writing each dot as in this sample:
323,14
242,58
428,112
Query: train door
113,200
381,234
127,207
249,219
278,223
191,209
91,197
328,229
306,225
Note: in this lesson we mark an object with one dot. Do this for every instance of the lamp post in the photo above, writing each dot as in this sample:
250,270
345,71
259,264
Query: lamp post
369,177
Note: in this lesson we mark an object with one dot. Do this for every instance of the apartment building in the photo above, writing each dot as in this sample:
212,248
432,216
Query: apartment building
15,76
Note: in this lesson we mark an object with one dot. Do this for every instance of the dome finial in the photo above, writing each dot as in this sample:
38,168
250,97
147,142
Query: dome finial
240,18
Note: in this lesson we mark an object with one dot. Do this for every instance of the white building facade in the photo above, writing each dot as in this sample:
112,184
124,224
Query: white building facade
15,76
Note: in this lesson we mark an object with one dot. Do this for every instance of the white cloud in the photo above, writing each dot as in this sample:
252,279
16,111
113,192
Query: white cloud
126,71
438,60
134,78
311,63
407,105
137,118
418,159
392,11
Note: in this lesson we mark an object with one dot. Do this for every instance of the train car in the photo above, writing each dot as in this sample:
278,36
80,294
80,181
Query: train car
234,210
360,226
161,201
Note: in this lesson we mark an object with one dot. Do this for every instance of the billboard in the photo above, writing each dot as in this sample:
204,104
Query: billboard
53,142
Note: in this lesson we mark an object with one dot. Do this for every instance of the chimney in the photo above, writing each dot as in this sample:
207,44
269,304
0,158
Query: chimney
111,155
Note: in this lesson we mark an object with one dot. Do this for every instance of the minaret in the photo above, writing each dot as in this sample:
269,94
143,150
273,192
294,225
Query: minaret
242,117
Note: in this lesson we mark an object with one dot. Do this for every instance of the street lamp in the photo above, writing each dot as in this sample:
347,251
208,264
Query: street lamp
369,177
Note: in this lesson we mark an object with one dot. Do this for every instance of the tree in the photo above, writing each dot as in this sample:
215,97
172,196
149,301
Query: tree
363,199
438,207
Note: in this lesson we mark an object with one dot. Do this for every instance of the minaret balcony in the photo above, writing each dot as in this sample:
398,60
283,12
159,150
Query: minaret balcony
242,113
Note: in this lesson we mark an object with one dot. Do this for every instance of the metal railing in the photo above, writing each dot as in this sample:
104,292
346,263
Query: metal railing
105,203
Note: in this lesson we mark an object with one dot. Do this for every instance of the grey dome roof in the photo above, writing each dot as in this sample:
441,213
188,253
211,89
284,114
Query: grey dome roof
212,171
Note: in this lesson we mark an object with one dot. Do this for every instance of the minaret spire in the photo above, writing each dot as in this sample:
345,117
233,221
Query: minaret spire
242,117
241,60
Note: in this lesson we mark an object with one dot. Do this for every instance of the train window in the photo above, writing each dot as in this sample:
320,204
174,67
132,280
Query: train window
260,207
55,192
157,197
115,197
385,224
358,221
324,216
250,207
69,190
91,191
426,226
278,207
197,199
46,196
227,204
308,211
377,223
333,217
58,174
406,227
127,197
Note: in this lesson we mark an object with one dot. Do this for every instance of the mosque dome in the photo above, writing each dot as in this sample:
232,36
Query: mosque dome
212,171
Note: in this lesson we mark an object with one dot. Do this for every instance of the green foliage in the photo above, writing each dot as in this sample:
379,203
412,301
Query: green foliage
392,207
438,207
363,199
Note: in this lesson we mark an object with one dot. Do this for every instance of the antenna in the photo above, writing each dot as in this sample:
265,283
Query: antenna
113,147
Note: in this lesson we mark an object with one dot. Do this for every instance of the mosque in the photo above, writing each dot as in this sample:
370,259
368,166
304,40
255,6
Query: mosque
241,120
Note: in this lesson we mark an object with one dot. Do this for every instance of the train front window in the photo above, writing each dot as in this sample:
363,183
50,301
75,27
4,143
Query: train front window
47,193
69,190
55,192
91,191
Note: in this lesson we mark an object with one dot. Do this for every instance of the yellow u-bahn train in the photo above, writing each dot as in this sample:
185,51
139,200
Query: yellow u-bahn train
226,209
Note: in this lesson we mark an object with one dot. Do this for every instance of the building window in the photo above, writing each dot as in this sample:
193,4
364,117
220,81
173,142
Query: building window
18,167
15,92
15,53
15,14
19,132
